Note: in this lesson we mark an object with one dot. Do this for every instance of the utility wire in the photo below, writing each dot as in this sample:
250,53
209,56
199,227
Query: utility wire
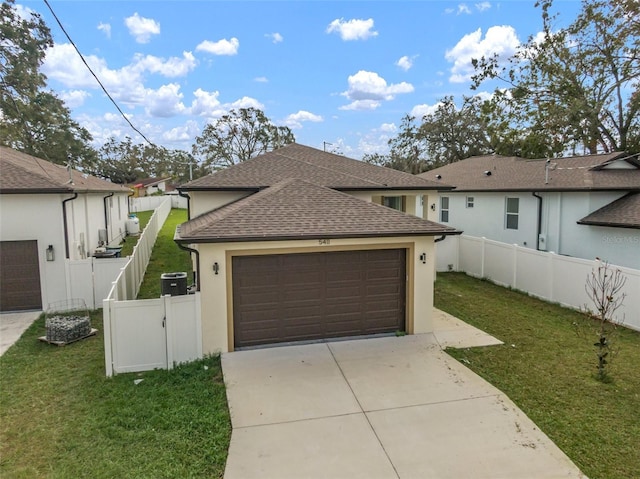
96,76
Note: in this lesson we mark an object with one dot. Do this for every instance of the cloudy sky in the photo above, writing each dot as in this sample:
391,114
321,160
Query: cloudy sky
339,72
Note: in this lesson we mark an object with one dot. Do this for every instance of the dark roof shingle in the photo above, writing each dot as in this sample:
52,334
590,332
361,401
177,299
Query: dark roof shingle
22,173
297,209
621,213
502,173
309,164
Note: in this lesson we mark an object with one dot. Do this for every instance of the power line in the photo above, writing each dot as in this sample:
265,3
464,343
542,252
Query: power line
95,76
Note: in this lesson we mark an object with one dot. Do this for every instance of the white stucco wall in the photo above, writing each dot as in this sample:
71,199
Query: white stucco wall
487,217
216,291
204,201
560,213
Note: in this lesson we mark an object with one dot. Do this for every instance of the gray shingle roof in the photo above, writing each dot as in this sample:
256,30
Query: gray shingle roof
22,173
309,164
621,213
517,174
297,209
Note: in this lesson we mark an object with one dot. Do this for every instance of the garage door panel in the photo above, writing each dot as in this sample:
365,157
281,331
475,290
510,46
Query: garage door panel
320,295
19,276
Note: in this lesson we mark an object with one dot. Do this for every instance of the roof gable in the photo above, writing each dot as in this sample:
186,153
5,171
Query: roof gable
22,173
621,213
296,161
297,209
502,173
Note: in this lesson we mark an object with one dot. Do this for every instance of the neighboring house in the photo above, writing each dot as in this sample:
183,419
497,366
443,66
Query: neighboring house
150,186
296,245
584,206
49,214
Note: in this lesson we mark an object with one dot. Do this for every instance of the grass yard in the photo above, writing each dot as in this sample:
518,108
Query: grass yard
60,417
166,257
548,370
131,241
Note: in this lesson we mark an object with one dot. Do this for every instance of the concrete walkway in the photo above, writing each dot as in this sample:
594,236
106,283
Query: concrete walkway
393,407
12,325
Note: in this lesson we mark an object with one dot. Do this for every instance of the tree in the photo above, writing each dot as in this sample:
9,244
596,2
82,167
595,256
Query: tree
239,136
32,119
447,135
578,86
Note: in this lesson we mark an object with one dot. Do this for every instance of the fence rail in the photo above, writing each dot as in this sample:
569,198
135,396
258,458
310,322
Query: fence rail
549,276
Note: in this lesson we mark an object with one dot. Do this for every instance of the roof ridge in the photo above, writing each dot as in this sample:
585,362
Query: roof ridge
328,169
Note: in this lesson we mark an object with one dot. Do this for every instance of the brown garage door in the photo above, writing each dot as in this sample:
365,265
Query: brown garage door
295,297
19,276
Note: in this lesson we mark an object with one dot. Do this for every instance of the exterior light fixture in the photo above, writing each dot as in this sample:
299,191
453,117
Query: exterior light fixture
423,258
216,268
433,206
50,253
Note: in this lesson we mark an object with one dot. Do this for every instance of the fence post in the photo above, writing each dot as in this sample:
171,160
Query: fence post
550,275
168,329
514,278
483,242
106,326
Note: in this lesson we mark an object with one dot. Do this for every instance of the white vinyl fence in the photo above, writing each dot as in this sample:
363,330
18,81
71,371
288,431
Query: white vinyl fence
545,275
148,203
140,335
91,279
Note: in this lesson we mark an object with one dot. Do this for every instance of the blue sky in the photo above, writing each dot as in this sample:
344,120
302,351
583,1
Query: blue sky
339,72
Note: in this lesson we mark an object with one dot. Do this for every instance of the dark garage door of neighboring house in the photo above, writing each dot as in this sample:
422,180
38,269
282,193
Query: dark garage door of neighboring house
19,276
306,296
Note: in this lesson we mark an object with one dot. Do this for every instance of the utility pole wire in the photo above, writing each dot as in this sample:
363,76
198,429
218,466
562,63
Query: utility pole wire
95,76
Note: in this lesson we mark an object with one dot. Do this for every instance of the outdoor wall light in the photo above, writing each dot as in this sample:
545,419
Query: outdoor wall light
423,258
433,206
50,253
216,268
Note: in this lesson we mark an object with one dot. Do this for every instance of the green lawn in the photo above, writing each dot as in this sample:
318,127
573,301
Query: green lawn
548,370
166,257
60,417
131,241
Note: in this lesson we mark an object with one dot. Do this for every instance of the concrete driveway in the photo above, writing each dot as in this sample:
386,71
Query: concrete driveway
12,325
393,407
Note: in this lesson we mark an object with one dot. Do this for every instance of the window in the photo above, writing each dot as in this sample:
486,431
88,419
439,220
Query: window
394,202
470,200
444,209
513,208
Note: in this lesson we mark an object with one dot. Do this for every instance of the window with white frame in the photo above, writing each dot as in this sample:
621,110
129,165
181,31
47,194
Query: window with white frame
470,201
512,212
444,209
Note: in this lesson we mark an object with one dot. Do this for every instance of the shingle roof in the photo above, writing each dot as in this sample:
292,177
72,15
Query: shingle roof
22,173
516,174
297,209
621,213
309,164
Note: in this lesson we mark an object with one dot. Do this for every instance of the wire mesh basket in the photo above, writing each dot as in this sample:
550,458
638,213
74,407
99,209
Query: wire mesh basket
67,321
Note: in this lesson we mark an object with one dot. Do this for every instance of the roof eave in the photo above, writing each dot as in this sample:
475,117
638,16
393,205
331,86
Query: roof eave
609,224
245,239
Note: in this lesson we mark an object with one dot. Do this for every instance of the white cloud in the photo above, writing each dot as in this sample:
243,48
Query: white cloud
463,8
183,133
106,28
246,102
501,40
261,80
275,37
482,6
164,102
295,120
420,111
142,28
352,29
205,103
388,128
405,63
221,47
173,67
23,12
368,89
74,98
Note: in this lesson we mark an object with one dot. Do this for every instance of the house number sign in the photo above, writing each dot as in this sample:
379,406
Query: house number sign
324,242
